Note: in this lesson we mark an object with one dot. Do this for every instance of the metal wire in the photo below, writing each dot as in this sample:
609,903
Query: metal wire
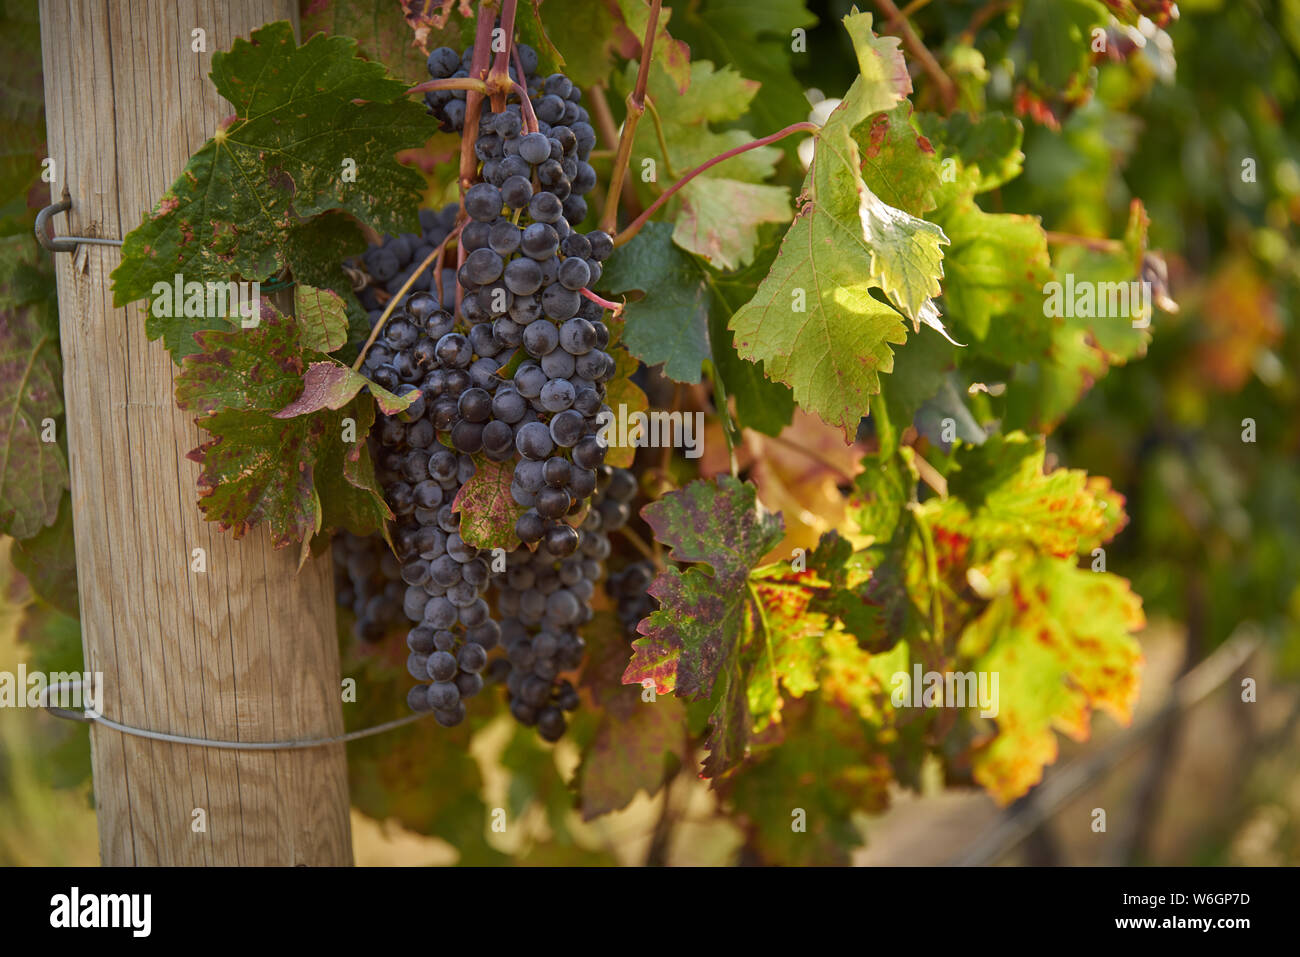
90,716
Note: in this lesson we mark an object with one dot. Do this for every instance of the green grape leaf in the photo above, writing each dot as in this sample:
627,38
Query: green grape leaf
322,318
719,218
717,214
331,385
33,465
695,642
22,119
316,251
582,34
235,207
672,56
762,404
488,511
814,321
828,782
668,325
1058,36
755,39
996,270
1054,665
917,377
985,150
349,491
906,261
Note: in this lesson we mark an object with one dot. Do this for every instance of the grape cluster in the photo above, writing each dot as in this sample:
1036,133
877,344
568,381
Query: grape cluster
561,118
445,577
392,262
627,587
510,365
545,599
367,580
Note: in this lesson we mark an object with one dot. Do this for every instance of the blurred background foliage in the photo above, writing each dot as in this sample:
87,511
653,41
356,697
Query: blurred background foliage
1198,120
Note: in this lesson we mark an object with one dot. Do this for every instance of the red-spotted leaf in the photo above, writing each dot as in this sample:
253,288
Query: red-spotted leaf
332,385
1058,639
488,511
259,368
694,643
1001,497
260,469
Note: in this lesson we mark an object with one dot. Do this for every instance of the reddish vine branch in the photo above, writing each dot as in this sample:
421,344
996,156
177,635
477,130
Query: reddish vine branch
499,78
635,109
478,69
634,227
894,18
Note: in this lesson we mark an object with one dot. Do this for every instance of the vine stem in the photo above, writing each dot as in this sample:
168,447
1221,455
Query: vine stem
635,108
639,544
478,68
526,105
499,78
659,135
931,572
616,306
981,17
816,456
456,83
947,89
634,227
1096,244
397,296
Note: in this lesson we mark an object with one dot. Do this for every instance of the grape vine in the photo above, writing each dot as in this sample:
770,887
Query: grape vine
657,405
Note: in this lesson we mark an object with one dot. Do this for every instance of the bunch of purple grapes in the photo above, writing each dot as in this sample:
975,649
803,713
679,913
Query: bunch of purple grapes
510,365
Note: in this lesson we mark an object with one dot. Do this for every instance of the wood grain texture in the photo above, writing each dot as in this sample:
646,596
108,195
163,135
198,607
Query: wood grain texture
246,650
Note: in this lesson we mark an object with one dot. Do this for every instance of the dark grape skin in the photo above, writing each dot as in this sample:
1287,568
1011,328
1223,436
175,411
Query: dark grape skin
483,202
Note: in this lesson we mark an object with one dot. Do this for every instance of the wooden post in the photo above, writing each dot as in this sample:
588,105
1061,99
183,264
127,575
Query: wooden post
246,649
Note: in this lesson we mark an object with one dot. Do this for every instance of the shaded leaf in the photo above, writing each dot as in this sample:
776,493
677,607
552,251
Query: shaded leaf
668,325
33,472
48,560
322,318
